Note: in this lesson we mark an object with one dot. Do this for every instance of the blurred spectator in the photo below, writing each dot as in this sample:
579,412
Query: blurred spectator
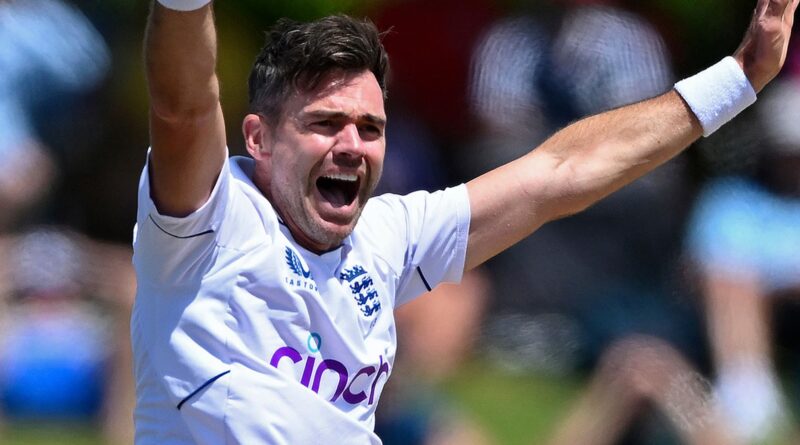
65,298
505,96
63,329
744,238
637,373
47,49
529,80
531,75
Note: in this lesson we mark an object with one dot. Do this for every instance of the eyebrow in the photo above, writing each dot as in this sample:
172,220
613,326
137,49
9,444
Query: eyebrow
371,118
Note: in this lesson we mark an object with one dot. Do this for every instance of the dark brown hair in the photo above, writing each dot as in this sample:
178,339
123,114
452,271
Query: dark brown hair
297,55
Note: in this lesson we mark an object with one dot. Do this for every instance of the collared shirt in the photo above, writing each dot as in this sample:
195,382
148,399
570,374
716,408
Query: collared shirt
240,335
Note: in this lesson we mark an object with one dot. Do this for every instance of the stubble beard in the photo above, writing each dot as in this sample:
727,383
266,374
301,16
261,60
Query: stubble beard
300,213
313,226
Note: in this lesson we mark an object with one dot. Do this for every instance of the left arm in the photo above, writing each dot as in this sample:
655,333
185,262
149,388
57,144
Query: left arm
573,169
596,156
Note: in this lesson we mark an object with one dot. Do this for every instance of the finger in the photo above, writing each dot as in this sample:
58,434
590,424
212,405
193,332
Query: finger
776,8
762,7
789,16
788,10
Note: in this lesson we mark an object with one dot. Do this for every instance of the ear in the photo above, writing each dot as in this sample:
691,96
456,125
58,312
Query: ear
256,136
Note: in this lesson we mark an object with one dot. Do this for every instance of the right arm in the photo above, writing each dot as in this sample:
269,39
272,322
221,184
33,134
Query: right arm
187,130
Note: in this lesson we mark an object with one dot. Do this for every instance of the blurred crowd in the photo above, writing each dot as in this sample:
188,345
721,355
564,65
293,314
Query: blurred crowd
674,298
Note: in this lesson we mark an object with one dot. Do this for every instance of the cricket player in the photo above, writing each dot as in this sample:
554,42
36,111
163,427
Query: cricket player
266,284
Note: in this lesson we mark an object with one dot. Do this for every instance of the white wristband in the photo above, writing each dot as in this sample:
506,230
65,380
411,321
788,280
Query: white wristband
184,5
717,94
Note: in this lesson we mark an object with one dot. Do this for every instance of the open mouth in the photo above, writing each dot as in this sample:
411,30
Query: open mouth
339,189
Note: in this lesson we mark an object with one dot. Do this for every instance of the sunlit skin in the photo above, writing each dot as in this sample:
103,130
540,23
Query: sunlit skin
335,130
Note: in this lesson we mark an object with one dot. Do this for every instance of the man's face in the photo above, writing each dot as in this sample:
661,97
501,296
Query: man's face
322,160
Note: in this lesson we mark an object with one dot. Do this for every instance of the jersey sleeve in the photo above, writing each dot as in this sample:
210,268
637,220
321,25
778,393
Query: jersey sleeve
432,231
170,250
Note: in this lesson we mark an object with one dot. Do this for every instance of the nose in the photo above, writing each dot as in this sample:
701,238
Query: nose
349,144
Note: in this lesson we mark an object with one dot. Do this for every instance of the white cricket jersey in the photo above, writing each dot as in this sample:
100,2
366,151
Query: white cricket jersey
242,336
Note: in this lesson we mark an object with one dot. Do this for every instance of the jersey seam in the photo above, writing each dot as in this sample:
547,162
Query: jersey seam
205,385
424,280
206,232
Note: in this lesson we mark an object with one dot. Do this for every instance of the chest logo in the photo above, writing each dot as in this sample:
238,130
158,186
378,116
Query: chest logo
363,290
301,274
296,264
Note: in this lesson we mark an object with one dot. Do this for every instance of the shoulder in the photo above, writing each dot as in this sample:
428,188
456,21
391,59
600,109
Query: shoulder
384,222
419,220
398,213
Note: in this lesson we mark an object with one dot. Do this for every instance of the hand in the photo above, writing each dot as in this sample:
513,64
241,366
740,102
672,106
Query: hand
763,49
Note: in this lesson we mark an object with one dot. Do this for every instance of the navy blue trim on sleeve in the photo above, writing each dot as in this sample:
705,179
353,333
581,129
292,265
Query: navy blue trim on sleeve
203,386
176,236
424,281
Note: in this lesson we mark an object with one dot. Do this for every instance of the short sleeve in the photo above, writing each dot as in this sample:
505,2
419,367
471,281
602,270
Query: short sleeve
171,250
432,231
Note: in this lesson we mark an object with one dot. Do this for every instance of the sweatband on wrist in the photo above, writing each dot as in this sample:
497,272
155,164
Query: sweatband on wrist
717,94
184,5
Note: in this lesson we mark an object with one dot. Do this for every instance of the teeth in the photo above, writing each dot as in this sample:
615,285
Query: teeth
342,177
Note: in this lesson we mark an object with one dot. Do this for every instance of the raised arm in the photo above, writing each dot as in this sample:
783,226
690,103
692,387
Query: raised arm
187,131
594,157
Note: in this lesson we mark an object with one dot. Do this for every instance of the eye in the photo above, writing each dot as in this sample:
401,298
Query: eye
370,132
324,126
